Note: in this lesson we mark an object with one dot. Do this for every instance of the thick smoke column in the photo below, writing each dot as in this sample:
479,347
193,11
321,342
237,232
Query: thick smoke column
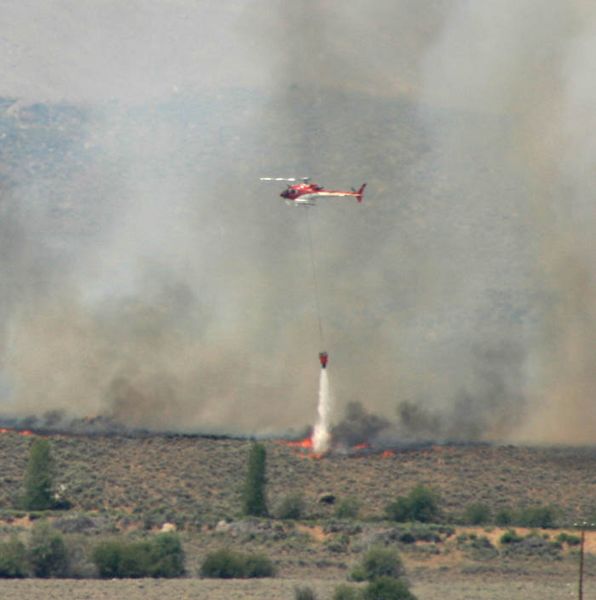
321,434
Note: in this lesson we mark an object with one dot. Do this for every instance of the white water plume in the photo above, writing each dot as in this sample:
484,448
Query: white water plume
321,434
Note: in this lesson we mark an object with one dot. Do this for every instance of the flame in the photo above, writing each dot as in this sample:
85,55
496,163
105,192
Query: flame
306,443
23,432
304,447
387,454
362,446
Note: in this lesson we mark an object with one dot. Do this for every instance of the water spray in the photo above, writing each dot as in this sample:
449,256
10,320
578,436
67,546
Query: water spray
321,437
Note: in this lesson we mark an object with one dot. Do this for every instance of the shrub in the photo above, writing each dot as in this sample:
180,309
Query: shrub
378,562
223,564
47,552
162,556
228,564
504,517
258,565
166,556
348,508
478,548
477,514
291,507
510,537
387,588
304,593
255,503
399,510
421,504
533,546
537,516
38,477
569,539
117,558
13,559
345,592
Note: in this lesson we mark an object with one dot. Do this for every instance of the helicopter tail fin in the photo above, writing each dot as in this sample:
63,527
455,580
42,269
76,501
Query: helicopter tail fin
360,192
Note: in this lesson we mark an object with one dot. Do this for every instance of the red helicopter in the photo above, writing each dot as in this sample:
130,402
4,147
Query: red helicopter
306,193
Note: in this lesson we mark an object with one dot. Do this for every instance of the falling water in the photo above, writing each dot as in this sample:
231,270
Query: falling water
321,436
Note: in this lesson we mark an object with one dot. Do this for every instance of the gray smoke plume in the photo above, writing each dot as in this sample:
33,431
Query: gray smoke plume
148,277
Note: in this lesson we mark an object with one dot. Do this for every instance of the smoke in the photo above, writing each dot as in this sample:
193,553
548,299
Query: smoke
528,66
148,277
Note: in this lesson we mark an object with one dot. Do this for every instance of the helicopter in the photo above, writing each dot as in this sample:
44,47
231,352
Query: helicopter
306,193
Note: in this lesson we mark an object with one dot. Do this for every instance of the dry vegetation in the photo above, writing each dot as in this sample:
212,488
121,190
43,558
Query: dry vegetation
198,480
129,485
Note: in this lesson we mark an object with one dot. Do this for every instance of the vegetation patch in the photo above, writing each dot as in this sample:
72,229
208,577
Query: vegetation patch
229,564
421,504
161,556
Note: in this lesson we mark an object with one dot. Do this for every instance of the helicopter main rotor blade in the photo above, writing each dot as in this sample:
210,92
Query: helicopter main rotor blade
284,178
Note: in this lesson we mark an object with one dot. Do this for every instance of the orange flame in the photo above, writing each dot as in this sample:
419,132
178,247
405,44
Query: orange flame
387,453
362,446
305,443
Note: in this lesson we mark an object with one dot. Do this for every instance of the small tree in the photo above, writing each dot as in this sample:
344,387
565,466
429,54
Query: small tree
38,477
255,503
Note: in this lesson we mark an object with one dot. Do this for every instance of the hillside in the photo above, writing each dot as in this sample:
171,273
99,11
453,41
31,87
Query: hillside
197,480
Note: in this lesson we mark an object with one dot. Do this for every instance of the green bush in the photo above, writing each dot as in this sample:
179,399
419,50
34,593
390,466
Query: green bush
255,503
569,539
291,507
223,564
258,565
537,516
13,559
166,556
421,504
477,514
228,564
348,508
161,556
504,517
399,510
346,592
387,588
39,494
378,562
304,593
120,559
510,537
47,552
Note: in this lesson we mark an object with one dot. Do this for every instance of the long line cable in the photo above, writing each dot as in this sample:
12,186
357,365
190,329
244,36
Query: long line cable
314,276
